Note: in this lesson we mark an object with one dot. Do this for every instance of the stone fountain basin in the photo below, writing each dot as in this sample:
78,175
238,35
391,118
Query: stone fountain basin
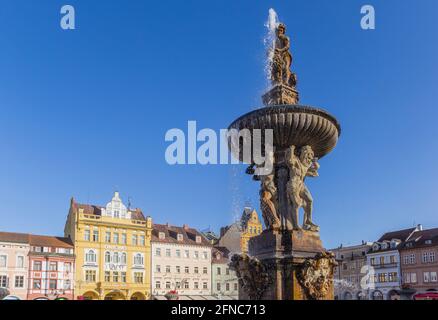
292,125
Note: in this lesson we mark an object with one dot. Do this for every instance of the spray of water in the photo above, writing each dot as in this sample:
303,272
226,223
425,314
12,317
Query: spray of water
269,40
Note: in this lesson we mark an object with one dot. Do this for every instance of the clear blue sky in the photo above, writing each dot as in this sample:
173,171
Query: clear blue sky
85,112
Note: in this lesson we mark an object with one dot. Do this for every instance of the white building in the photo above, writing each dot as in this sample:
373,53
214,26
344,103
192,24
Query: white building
181,261
384,260
225,285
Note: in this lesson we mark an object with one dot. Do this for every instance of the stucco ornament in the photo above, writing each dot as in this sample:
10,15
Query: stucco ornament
316,275
252,274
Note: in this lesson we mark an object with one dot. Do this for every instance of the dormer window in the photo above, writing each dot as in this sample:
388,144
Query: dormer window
198,239
218,256
161,236
375,247
179,237
428,241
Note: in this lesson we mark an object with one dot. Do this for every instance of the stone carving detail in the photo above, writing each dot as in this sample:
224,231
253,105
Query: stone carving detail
301,164
252,274
316,276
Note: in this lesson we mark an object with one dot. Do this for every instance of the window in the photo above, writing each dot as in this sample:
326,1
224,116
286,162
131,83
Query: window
179,237
67,267
141,238
178,269
115,276
204,285
161,235
205,255
426,277
196,270
107,257
116,237
227,271
37,265
204,270
167,284
167,269
67,284
196,285
373,261
95,235
178,253
87,235
157,285
186,285
425,257
90,256
167,252
52,284
138,259
138,277
3,260
392,276
431,256
158,252
412,258
158,268
227,287
196,255
433,277
218,270
134,239
218,286
186,269
392,259
123,238
186,253
36,284
20,262
123,258
107,276
108,236
90,276
178,285
123,276
382,260
116,258
19,281
235,286
53,266
414,277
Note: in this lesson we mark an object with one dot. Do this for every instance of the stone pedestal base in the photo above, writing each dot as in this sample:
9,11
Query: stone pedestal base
280,95
296,265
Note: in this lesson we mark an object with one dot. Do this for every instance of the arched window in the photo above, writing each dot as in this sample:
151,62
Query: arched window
116,257
107,257
123,259
90,256
138,259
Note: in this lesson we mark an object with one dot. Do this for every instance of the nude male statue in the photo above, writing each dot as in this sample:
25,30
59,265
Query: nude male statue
301,166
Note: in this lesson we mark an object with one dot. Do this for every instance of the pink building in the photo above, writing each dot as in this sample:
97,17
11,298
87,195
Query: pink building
14,250
51,268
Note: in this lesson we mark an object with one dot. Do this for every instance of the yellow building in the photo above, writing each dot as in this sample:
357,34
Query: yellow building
113,250
251,227
235,237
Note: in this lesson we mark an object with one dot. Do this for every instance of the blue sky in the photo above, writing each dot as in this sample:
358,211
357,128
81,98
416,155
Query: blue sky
85,112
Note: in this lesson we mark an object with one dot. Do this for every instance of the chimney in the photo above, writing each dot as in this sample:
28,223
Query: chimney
186,227
419,227
167,224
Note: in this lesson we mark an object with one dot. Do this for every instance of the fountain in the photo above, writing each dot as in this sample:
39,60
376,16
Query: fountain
287,260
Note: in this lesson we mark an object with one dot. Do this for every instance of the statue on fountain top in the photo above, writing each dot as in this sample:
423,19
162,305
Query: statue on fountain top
282,59
282,78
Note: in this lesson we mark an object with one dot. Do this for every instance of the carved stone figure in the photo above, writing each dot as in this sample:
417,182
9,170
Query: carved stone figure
316,275
252,274
268,202
282,59
301,166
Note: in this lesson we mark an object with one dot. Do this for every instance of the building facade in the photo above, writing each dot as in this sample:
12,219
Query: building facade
350,283
224,281
181,261
14,250
51,268
384,260
236,236
419,261
112,247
